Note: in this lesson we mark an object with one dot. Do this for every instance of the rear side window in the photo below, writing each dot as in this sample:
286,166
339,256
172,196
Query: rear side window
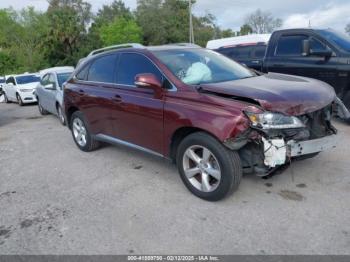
260,51
289,45
132,64
244,51
103,69
238,52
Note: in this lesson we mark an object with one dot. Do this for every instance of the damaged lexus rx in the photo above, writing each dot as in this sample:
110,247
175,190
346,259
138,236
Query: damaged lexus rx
211,116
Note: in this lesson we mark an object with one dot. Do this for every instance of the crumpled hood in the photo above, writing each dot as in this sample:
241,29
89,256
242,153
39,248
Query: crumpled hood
291,95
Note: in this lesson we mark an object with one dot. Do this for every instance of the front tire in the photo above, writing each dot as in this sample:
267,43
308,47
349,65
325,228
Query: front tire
81,134
19,100
208,169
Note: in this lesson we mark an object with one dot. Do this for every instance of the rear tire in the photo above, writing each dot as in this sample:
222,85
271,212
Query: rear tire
60,115
19,100
42,111
208,169
81,133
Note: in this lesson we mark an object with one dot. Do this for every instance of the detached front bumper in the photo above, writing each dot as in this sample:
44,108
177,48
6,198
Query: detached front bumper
278,152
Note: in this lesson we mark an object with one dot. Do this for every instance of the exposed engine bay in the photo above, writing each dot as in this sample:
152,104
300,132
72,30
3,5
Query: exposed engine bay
262,151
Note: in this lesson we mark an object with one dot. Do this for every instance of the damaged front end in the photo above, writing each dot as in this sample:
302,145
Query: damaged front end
274,139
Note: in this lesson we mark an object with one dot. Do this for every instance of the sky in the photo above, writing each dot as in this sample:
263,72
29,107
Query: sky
231,13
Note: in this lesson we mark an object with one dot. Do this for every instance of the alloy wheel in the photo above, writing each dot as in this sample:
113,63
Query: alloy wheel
201,168
79,132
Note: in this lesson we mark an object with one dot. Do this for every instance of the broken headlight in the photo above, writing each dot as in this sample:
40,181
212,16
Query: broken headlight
269,120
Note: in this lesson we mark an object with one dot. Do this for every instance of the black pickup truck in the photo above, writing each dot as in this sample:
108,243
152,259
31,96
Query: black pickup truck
323,54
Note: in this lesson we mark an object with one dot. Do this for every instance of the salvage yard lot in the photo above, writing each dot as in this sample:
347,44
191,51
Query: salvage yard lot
55,199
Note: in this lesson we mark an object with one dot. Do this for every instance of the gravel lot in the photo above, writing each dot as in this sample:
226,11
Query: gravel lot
55,199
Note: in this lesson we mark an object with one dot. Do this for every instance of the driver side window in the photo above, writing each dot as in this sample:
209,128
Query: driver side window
315,44
45,80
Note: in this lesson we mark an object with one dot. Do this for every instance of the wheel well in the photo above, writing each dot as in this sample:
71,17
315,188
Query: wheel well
57,105
70,112
178,136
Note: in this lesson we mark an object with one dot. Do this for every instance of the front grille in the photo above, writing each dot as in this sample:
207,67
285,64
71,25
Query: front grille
318,123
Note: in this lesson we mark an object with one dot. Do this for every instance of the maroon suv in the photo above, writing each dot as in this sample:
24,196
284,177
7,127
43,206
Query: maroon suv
213,117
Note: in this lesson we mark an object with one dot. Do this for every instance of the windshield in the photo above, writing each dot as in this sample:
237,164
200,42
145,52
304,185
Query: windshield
339,39
2,80
61,78
198,66
27,79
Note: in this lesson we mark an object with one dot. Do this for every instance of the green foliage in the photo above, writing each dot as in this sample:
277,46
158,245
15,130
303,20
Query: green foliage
7,64
68,22
245,30
122,30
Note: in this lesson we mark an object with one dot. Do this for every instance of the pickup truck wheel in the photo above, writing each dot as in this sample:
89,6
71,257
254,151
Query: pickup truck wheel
19,100
60,115
207,168
81,134
42,111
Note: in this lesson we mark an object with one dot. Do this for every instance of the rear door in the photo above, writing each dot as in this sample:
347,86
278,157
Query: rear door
94,92
10,88
47,94
137,114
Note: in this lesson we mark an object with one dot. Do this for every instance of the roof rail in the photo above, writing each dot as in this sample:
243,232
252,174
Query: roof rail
133,45
185,44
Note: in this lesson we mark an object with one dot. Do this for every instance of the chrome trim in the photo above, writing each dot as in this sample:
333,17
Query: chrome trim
113,140
107,48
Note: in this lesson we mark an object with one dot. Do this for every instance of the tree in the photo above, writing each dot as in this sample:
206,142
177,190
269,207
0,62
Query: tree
262,22
108,13
21,37
245,30
122,30
68,23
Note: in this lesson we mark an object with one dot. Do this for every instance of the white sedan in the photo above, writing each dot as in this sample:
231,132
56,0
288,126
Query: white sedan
19,88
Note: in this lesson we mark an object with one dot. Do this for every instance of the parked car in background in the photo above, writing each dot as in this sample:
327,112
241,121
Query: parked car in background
322,54
213,117
248,50
19,88
49,92
2,81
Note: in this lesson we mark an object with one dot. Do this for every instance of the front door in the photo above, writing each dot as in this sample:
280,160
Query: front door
288,58
138,114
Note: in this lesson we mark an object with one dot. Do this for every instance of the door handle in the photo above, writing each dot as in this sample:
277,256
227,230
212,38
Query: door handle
117,98
256,62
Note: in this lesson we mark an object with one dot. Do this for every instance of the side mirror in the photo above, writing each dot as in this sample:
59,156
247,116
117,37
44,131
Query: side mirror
147,81
306,47
50,86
